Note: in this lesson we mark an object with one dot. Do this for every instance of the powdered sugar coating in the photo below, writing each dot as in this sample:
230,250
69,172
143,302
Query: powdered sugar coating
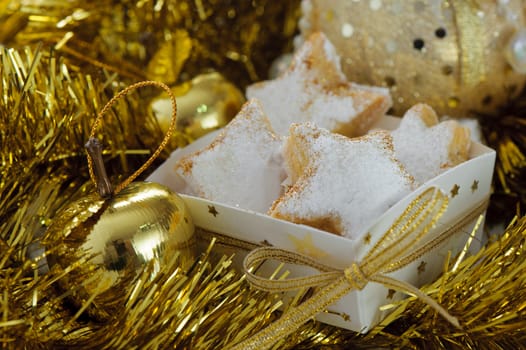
315,89
244,156
346,183
428,148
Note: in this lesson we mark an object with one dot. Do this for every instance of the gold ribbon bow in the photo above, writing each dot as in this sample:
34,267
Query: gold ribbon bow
399,246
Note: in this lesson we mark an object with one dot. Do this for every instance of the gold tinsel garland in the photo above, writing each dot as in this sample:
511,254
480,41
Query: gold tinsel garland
46,112
170,41
47,105
42,170
505,133
486,291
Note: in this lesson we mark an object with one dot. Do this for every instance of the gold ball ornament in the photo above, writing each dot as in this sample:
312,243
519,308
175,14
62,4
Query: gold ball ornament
104,244
206,103
458,56
99,244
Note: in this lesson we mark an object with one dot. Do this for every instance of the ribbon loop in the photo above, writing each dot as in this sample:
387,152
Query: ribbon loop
355,276
400,245
260,255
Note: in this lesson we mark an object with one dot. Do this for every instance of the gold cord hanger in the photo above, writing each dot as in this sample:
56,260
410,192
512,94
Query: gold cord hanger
94,146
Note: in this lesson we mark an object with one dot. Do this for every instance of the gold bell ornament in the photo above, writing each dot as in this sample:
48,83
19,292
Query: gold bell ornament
205,103
100,243
459,56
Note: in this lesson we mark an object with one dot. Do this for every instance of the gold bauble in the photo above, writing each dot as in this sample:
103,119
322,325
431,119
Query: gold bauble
102,245
449,54
204,104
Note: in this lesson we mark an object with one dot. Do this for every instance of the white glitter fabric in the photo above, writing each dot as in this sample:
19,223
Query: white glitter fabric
342,185
314,89
241,167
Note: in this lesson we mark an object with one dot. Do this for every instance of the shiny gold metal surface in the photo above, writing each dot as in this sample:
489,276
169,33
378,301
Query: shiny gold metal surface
144,224
206,103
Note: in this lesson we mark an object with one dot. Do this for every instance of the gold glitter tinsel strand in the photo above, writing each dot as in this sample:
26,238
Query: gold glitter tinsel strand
47,102
505,132
173,40
487,289
200,309
46,113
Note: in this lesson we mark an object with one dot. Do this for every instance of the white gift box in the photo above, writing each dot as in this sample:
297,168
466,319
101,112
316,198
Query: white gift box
467,185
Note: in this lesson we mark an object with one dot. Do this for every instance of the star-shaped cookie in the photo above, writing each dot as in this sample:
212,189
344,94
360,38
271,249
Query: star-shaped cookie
340,185
241,167
314,89
426,147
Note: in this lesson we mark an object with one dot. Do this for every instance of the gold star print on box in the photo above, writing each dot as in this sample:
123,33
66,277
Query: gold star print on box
454,191
367,238
422,267
474,186
390,293
212,210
